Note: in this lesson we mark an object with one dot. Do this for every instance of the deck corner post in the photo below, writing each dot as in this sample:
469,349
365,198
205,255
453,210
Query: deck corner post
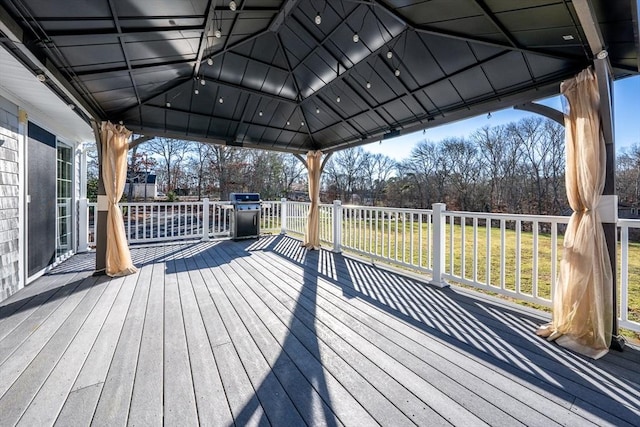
83,225
438,245
283,215
337,226
205,219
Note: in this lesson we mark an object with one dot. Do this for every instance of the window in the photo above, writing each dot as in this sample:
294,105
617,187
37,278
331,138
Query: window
64,190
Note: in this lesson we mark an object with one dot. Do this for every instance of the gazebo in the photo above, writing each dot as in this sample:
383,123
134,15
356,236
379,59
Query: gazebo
297,76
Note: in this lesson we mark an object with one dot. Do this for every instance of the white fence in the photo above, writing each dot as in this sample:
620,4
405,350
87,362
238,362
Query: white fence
513,255
155,222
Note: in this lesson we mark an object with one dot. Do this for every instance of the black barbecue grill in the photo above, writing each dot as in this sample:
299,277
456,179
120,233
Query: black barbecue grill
245,221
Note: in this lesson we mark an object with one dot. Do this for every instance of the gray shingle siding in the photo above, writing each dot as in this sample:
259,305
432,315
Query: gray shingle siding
9,190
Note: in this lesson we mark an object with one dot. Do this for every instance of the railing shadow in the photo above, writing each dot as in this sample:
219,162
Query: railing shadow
495,333
501,336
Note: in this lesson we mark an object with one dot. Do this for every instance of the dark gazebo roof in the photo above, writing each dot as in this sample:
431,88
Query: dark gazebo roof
274,76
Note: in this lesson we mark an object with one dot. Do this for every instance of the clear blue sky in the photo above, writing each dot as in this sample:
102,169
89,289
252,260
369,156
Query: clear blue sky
626,98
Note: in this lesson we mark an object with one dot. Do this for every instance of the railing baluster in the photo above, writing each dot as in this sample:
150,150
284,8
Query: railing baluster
420,224
377,251
452,223
411,239
475,248
463,244
534,267
503,253
554,257
518,257
624,273
488,225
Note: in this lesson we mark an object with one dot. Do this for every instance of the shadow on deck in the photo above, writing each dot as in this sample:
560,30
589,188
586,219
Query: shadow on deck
264,332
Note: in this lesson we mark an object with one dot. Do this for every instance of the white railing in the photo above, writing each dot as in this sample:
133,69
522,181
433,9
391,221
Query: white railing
296,222
629,274
513,255
398,236
163,221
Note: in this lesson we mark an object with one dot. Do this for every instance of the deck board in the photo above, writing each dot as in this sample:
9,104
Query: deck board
397,401
147,395
262,332
115,398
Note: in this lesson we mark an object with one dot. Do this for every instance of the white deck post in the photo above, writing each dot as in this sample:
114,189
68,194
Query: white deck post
283,215
438,244
83,225
337,226
205,219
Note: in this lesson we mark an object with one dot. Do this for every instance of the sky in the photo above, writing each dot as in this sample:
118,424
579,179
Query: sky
626,99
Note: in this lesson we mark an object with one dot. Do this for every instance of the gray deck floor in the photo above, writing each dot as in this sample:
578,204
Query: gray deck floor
263,332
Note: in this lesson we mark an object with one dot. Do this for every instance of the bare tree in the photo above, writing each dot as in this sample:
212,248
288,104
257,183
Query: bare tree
628,175
464,173
199,160
293,171
172,153
492,151
377,169
528,134
422,168
229,166
344,171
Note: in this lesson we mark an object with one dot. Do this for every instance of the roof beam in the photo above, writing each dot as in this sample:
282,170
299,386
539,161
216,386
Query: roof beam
488,13
114,17
420,88
295,84
178,82
541,89
589,23
216,140
252,91
10,27
133,68
258,61
635,18
124,32
139,140
543,110
204,38
214,117
320,44
463,37
285,10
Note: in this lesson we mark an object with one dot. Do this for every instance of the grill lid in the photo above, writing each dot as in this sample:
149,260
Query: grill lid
236,198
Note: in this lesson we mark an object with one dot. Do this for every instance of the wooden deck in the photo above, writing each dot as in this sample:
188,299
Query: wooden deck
263,332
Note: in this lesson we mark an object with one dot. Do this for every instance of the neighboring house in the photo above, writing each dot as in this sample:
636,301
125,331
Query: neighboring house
142,190
42,176
628,211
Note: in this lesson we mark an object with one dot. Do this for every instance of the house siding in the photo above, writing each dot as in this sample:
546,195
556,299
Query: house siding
9,200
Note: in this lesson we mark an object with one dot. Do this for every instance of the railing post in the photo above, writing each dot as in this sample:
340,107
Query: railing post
205,219
337,226
83,225
438,244
283,215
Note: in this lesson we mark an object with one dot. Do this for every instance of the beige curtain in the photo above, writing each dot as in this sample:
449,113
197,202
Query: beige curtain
114,173
583,306
312,236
